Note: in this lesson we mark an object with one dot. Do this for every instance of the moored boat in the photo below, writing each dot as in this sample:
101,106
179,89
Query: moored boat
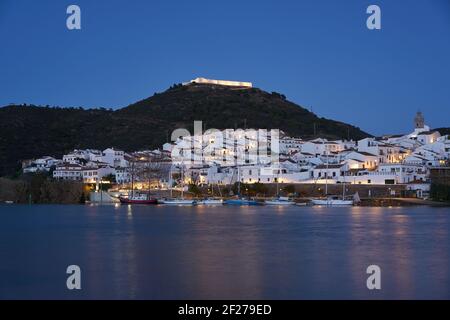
332,201
138,199
241,202
135,197
178,202
280,201
210,202
181,201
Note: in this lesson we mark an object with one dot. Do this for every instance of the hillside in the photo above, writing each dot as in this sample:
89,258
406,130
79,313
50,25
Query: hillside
32,131
443,131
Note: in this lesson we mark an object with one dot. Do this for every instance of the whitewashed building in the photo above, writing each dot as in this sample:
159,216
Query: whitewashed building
43,164
68,171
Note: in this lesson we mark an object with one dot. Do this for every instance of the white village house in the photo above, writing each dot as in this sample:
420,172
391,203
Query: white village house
230,155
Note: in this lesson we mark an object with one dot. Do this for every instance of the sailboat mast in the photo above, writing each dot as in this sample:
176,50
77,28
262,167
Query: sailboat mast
148,177
343,186
132,178
182,181
326,172
218,188
239,181
278,179
170,181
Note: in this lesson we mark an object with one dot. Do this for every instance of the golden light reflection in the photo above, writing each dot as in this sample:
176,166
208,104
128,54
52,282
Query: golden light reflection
356,211
130,211
280,210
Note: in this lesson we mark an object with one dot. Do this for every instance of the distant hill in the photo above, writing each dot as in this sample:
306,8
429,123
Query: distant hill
32,131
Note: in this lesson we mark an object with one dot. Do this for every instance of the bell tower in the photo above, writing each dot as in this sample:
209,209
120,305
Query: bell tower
419,120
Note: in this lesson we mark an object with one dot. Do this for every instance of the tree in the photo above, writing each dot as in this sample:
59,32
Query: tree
110,178
289,189
258,188
194,189
440,192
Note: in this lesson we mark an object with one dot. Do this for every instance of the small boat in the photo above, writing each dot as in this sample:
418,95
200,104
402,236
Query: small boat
241,202
280,201
301,204
178,202
210,202
332,201
138,199
9,202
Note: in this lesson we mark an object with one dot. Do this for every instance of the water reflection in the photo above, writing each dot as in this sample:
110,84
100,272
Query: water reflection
157,252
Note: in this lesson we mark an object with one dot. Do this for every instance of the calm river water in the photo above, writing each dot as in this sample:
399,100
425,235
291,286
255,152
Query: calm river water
160,252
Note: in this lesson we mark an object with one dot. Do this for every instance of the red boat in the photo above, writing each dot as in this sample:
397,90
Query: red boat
138,199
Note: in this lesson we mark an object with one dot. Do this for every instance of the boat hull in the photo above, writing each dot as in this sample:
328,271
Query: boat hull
210,202
239,202
332,203
279,203
131,201
301,204
177,202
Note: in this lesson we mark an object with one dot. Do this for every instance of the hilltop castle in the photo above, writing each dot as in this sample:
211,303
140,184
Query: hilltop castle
226,83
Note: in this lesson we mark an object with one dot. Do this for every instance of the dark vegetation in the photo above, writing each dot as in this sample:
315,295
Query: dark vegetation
40,188
443,131
31,131
440,192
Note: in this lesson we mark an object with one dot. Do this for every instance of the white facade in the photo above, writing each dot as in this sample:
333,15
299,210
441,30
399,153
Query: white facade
227,83
113,157
95,175
328,171
123,175
367,160
43,164
67,171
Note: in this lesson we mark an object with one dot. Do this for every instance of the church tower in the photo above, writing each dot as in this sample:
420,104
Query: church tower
419,120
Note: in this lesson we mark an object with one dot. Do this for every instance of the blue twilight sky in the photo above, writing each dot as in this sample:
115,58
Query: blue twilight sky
317,52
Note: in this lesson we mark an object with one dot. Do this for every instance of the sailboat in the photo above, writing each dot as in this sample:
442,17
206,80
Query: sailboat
210,201
137,198
331,200
240,201
279,201
178,201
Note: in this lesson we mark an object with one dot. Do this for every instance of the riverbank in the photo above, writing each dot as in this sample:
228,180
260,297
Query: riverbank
401,202
40,189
